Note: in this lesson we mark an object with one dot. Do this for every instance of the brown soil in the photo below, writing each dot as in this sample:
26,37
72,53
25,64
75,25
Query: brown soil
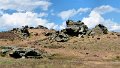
8,35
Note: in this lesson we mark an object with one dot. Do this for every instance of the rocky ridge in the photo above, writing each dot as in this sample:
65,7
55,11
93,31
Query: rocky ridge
78,29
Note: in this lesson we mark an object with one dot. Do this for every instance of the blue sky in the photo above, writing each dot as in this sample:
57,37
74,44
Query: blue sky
54,13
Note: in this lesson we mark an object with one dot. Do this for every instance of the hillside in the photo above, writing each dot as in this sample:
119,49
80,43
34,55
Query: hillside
84,50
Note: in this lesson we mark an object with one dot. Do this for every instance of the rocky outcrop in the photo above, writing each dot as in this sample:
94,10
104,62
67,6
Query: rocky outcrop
78,29
59,36
22,32
99,29
25,32
16,52
26,53
75,28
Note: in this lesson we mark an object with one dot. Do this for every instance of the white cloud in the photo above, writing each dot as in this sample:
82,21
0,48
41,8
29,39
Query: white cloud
72,12
67,14
62,26
51,26
115,27
24,5
20,19
43,14
95,17
105,9
112,26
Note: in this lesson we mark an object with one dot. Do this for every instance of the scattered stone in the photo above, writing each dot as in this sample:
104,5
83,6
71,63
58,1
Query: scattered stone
118,34
98,38
87,53
95,55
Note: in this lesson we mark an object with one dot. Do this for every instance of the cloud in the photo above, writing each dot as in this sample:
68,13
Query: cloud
95,17
105,9
115,27
72,12
24,5
43,14
112,26
20,19
62,26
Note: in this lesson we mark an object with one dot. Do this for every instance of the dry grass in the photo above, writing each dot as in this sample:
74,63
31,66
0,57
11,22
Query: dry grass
98,52
45,63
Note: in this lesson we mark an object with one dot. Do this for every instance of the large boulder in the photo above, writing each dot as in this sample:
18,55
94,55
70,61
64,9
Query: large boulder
26,53
59,36
62,37
75,28
31,53
4,50
17,54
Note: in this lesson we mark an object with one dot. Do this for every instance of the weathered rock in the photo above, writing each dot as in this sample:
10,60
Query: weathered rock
62,37
75,28
98,30
5,50
25,31
48,34
26,53
17,54
22,32
31,53
59,37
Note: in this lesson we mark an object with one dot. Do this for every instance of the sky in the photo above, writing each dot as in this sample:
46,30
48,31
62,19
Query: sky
54,13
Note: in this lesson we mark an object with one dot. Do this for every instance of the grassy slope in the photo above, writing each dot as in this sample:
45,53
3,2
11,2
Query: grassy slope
76,53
